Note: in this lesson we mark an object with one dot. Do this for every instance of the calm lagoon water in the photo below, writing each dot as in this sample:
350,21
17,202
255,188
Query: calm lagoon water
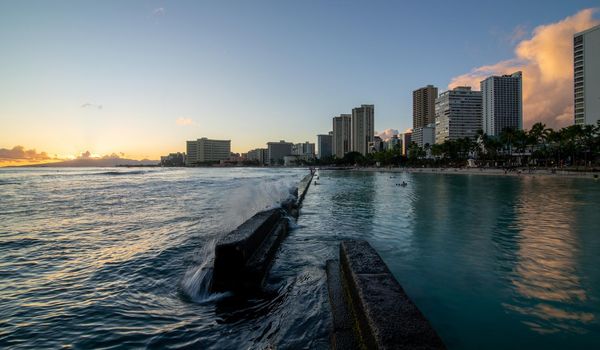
115,258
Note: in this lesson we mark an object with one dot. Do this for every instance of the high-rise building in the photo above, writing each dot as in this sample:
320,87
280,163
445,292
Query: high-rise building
424,135
406,141
206,150
341,135
586,49
424,106
393,143
324,143
362,128
277,150
457,114
304,149
502,104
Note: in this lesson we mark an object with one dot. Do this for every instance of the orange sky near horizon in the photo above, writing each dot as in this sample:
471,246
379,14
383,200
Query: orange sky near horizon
132,98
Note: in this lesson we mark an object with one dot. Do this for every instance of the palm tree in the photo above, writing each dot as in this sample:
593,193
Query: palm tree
539,136
427,148
507,137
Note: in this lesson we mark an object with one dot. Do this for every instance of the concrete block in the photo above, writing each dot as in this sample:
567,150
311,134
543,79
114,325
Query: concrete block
384,315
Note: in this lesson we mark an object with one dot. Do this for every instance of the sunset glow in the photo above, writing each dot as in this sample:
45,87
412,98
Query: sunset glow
140,81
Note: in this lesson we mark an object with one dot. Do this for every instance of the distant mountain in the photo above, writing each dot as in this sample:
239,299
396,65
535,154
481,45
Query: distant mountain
98,162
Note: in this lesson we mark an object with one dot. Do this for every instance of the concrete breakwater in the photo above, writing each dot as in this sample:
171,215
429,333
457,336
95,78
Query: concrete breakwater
369,307
244,256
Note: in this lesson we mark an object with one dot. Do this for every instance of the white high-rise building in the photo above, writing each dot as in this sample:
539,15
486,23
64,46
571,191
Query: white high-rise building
206,150
586,50
502,104
362,128
424,135
457,114
341,135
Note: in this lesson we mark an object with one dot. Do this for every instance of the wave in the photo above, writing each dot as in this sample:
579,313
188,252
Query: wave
9,183
105,173
244,202
195,284
117,173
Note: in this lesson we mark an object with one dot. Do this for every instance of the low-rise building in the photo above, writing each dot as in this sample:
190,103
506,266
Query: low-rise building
305,148
205,150
173,160
376,145
277,150
259,155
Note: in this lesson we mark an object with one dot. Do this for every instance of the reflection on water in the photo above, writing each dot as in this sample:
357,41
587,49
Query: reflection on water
482,256
89,259
545,278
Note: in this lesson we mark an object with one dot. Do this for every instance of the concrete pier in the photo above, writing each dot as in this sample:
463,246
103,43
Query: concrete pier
370,308
243,256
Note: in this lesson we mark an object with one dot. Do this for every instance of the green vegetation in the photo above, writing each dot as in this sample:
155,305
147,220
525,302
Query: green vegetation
576,147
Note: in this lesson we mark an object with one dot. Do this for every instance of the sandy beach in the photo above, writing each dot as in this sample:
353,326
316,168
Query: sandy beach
488,171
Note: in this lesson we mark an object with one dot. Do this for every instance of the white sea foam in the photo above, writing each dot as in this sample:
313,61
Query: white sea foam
255,196
243,202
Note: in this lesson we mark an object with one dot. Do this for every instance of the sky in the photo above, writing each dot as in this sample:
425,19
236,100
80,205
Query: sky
137,79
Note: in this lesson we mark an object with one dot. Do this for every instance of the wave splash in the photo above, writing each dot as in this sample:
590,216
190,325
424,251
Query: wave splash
244,202
196,281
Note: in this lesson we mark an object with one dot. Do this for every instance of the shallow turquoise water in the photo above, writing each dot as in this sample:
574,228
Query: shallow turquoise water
111,259
493,262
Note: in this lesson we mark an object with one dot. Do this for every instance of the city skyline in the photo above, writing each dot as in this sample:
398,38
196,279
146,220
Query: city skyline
127,85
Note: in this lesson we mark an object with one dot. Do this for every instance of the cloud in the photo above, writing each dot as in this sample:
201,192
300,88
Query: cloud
18,155
113,156
159,11
184,121
387,133
85,155
546,60
89,155
91,105
519,33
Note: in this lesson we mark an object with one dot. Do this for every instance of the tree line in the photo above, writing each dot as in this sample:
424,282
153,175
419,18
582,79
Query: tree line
576,147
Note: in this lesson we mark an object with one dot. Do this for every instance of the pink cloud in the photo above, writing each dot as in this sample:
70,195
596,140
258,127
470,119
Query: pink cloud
546,60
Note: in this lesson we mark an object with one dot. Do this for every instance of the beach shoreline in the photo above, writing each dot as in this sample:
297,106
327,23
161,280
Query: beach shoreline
524,172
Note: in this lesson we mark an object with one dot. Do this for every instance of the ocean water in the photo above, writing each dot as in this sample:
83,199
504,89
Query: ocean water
116,258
